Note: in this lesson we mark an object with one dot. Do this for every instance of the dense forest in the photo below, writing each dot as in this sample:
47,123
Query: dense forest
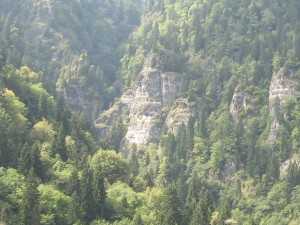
149,112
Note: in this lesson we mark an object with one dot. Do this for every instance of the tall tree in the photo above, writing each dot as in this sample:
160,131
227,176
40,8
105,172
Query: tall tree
99,194
171,213
59,145
30,203
88,203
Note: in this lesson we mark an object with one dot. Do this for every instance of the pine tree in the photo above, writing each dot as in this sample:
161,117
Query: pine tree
170,211
117,133
272,170
43,106
36,162
181,144
198,202
99,194
73,189
25,162
62,115
88,204
169,147
133,162
30,204
29,160
59,144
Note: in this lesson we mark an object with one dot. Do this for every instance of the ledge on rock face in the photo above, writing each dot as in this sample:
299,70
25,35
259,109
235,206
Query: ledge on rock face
284,85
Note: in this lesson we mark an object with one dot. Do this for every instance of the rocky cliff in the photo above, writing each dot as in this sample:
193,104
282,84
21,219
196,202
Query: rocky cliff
284,86
75,85
51,36
180,114
284,167
150,105
238,104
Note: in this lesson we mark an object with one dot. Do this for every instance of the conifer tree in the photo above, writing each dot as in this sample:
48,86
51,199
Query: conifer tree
59,144
99,194
171,212
25,160
43,106
36,162
30,204
87,200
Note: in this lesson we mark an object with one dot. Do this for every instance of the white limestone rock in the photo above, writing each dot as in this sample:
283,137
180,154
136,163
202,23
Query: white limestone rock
148,107
283,86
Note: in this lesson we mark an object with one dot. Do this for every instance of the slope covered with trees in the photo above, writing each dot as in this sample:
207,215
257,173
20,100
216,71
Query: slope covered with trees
75,44
237,159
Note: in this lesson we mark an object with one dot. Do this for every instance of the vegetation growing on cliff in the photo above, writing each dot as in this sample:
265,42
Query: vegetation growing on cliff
235,162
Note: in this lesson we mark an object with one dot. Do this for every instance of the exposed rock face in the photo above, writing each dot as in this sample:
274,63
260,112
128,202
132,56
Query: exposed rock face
283,87
145,106
179,115
170,87
51,35
286,164
238,104
73,85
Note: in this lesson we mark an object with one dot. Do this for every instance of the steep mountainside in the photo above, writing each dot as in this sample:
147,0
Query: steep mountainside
156,112
75,44
236,109
145,106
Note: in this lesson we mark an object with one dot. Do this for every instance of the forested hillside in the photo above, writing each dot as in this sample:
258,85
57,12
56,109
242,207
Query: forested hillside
77,45
157,112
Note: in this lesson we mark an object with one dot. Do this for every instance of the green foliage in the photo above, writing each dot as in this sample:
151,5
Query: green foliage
13,126
55,206
123,200
109,164
221,168
12,191
30,205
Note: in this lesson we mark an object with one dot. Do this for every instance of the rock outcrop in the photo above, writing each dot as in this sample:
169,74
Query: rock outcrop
73,86
284,167
179,115
283,87
238,104
145,106
50,36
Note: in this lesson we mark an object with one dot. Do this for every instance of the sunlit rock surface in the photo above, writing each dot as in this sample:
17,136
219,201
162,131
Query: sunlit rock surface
283,87
151,104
